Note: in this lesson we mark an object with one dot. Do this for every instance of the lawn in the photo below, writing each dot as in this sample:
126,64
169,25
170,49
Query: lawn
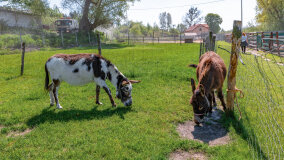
84,130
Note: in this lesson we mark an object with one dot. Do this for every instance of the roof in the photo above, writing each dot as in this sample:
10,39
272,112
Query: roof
195,26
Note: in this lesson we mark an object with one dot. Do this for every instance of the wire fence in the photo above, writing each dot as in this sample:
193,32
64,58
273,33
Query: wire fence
261,77
11,39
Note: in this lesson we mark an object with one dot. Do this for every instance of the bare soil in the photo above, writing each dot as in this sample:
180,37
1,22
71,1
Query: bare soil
210,131
183,155
15,134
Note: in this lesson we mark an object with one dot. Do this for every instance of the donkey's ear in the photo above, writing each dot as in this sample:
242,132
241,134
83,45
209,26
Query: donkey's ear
202,89
125,82
134,81
192,84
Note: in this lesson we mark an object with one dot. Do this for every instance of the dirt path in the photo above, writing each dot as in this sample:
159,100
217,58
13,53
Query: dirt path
210,131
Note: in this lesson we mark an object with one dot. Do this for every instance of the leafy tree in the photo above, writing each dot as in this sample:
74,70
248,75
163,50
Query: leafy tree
192,17
270,14
163,21
95,13
181,27
213,21
38,7
136,29
169,21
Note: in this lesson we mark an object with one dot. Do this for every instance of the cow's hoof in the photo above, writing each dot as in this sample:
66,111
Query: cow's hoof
99,103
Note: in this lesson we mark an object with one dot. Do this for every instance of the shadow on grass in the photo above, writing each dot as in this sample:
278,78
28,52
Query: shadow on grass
12,77
49,115
245,131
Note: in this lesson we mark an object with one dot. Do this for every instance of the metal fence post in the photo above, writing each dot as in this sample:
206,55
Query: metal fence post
89,38
23,57
99,44
236,35
62,39
76,38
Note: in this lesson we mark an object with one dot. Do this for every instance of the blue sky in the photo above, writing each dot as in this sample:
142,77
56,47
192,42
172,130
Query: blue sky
147,11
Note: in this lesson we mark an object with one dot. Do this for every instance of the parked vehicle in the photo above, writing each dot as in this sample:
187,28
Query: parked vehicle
66,25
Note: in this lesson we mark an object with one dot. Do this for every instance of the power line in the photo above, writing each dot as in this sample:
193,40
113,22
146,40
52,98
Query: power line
178,6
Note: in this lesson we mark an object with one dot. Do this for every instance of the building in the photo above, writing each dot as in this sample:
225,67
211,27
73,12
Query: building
197,29
15,18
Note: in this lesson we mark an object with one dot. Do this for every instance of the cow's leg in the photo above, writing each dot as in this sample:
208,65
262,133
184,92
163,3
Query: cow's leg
221,97
50,88
100,82
56,84
98,88
214,99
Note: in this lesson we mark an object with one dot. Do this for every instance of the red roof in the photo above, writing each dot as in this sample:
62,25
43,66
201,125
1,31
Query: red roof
197,25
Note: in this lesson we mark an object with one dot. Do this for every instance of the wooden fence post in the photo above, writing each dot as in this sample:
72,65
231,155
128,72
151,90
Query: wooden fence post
277,42
236,35
23,58
99,44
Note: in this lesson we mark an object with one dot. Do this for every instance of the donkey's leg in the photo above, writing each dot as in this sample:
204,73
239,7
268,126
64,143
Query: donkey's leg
56,84
98,88
214,99
103,84
210,98
50,88
221,97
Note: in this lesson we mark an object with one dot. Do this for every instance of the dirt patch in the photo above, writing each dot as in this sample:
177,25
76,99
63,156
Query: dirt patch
210,131
183,155
16,133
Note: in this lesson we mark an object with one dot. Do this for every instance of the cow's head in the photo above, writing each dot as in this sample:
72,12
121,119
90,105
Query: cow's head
199,102
124,91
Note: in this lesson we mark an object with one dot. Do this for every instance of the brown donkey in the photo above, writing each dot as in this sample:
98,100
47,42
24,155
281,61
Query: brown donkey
211,73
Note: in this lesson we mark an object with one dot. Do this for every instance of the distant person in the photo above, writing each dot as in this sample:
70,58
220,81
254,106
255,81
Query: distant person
244,42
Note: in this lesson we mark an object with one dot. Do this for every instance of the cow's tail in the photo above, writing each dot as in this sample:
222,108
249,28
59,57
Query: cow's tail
46,79
192,65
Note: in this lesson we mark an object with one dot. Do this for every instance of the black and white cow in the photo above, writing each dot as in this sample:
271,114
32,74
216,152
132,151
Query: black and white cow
80,69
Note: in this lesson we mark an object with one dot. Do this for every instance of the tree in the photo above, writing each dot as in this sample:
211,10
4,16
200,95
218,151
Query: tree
181,28
163,21
169,21
38,7
270,14
213,21
192,17
95,13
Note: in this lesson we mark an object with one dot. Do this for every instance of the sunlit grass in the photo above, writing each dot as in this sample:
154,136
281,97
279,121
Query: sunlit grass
84,130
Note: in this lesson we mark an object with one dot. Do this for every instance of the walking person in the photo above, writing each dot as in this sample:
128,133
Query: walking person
244,42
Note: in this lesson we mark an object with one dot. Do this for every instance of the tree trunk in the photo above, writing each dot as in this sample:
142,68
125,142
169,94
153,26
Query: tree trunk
84,24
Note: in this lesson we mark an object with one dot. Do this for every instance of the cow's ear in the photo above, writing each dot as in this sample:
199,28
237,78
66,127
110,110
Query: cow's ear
192,84
125,82
134,81
202,90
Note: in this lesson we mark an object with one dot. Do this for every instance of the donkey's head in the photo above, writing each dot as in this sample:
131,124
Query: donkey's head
199,102
124,92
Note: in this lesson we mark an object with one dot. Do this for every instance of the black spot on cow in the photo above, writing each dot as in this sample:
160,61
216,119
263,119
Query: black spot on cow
109,76
76,70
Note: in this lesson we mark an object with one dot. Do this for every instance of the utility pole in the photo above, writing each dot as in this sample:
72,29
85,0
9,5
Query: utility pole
242,14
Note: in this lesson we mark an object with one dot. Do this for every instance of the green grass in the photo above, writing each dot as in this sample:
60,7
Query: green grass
84,130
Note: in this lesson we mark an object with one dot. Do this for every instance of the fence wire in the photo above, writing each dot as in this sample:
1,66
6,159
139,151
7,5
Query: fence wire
262,80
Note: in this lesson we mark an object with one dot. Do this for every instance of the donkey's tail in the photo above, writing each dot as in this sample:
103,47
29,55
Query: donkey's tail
46,79
192,65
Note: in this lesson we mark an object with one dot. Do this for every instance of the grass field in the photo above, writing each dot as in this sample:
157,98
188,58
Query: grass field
84,130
